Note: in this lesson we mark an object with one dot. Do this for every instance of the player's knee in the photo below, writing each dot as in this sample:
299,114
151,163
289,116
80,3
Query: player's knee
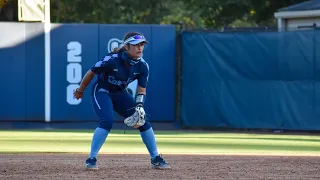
105,125
146,126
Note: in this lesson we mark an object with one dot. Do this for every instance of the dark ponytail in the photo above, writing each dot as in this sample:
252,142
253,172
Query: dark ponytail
117,50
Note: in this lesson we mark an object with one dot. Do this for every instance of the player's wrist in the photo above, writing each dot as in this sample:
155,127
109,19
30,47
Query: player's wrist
79,91
140,99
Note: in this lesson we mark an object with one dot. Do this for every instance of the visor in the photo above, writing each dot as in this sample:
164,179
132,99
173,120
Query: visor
135,40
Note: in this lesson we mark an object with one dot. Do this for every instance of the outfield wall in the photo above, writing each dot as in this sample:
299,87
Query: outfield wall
263,80
74,49
251,80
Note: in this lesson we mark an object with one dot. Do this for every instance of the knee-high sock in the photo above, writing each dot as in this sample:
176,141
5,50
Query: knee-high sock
98,139
150,142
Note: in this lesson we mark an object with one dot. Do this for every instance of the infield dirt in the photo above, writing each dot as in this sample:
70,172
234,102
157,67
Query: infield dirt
133,166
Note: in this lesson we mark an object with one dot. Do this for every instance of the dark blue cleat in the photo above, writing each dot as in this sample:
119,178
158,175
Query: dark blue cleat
91,163
159,163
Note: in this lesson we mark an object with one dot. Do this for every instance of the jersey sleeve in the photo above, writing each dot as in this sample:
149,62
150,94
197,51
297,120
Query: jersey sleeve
143,79
101,66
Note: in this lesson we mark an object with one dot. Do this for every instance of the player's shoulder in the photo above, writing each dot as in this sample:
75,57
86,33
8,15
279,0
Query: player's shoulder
144,63
110,57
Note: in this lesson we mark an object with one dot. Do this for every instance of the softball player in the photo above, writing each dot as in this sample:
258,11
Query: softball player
115,71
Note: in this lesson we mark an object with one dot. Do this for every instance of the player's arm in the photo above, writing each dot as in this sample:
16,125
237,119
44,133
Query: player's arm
100,67
141,90
141,96
78,93
138,119
142,85
86,80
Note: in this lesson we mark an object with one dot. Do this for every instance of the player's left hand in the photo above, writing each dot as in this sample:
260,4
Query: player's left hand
78,94
137,119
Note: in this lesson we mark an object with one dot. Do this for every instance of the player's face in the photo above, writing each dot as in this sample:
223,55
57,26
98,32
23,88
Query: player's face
135,51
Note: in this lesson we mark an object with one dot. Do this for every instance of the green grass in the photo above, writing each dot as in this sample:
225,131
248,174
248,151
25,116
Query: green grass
169,142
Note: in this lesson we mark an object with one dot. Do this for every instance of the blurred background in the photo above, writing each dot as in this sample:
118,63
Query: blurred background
211,14
215,64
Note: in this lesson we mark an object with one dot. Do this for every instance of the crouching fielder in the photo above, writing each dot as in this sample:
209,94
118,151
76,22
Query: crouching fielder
115,71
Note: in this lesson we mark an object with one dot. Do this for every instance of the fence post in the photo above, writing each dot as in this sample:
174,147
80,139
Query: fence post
178,71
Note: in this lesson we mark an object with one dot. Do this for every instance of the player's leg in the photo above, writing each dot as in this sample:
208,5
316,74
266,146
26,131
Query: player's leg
103,108
124,105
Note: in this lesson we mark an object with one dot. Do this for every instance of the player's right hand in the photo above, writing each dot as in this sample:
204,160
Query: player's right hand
78,94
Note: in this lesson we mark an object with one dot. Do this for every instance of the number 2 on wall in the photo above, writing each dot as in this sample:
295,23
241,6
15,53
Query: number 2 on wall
74,70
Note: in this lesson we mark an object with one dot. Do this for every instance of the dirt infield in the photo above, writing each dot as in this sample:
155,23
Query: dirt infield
71,166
